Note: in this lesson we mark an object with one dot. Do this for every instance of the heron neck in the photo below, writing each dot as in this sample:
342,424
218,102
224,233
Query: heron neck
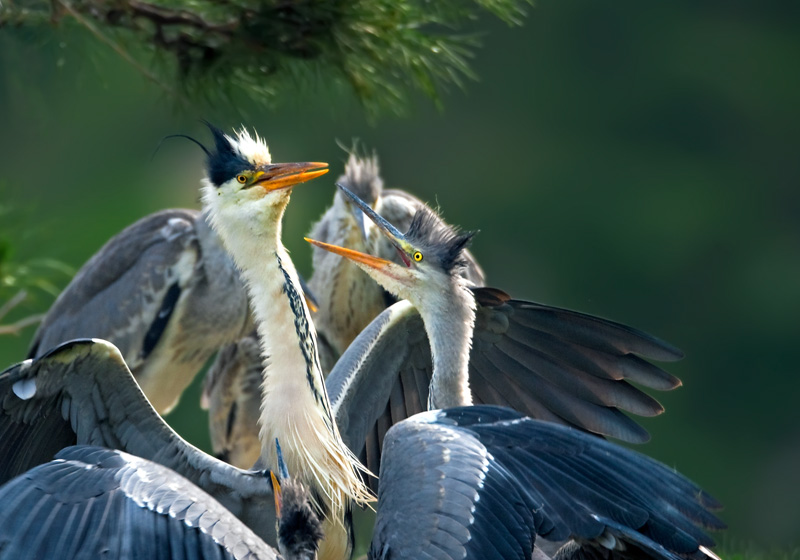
293,388
294,403
450,323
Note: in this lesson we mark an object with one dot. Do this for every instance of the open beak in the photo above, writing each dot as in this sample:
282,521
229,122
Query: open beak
355,256
392,233
285,175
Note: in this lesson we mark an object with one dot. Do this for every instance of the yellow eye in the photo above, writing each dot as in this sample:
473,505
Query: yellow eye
418,256
241,178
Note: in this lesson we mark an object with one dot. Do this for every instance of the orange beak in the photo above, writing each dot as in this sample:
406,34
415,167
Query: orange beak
286,175
355,256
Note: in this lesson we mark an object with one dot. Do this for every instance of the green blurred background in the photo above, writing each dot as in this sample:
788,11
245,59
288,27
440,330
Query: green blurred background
633,160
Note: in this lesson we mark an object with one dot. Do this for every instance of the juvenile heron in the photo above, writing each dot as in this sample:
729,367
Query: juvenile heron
165,292
452,344
348,298
92,502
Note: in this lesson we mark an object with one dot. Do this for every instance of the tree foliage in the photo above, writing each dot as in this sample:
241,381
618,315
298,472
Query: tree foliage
381,50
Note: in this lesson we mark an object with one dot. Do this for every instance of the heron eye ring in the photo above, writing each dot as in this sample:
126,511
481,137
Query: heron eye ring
418,256
241,178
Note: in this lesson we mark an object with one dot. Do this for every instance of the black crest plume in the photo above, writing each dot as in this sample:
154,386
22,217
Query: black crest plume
446,242
225,162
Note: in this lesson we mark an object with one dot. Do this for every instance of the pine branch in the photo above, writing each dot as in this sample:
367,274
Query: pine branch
381,49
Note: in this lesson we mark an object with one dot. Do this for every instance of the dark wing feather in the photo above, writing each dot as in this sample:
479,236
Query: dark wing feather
82,392
571,367
552,364
584,487
92,502
442,497
381,378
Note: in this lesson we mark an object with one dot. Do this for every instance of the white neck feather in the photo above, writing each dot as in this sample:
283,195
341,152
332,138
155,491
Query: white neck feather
449,319
294,405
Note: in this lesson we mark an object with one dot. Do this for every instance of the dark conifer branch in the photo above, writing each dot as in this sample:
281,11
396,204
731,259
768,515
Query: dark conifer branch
382,49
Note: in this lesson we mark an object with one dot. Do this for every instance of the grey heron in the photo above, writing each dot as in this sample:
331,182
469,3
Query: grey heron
93,502
451,344
348,299
245,195
485,482
165,292
83,392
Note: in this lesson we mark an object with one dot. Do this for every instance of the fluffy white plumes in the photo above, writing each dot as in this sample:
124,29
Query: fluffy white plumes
253,148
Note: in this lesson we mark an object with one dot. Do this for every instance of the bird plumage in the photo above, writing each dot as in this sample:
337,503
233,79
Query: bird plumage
232,396
486,482
165,292
92,502
348,300
247,211
550,363
82,392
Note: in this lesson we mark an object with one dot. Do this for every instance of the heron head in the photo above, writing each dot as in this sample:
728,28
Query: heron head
431,253
243,185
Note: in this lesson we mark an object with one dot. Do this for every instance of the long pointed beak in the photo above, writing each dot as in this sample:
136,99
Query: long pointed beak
355,256
392,233
286,175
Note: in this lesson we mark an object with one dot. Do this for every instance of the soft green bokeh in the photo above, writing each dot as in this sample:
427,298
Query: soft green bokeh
634,160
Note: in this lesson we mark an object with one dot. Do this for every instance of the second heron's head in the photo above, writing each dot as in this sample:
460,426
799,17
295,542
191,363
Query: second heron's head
431,254
243,189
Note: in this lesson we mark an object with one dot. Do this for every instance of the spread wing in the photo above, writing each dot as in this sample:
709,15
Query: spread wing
92,502
548,363
485,482
567,367
82,392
